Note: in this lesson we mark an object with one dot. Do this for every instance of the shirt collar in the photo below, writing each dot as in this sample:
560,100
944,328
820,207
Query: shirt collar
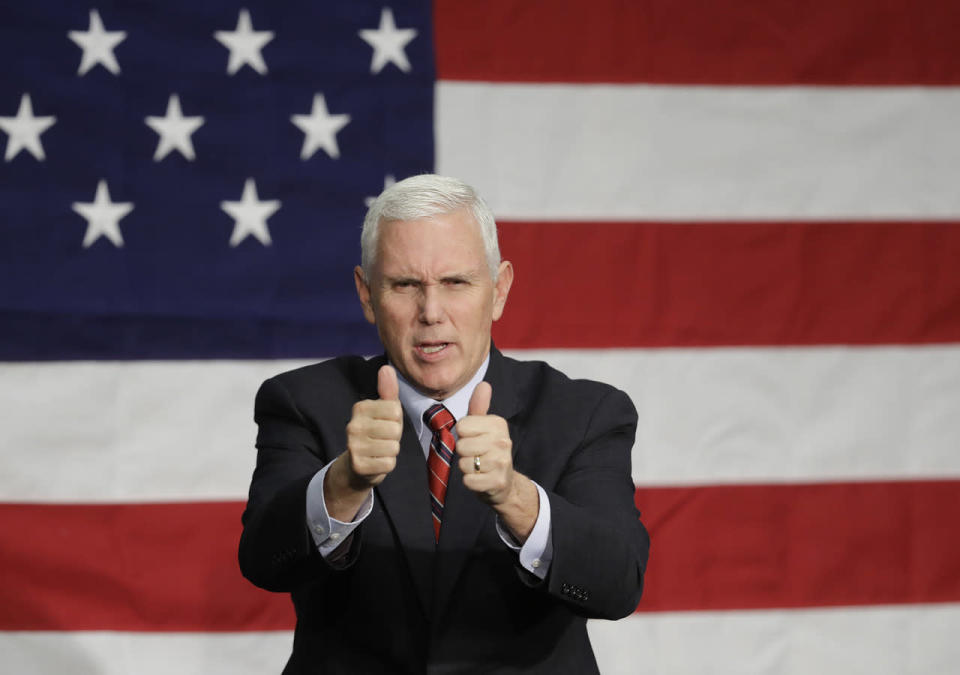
415,403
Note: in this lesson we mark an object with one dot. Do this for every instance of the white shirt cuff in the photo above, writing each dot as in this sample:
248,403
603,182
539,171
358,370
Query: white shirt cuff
537,552
328,533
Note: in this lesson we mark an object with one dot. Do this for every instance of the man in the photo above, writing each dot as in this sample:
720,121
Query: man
444,508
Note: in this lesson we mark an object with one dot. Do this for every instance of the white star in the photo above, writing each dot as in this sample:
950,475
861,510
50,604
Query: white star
320,129
244,44
103,216
174,130
97,45
24,130
250,215
388,42
388,181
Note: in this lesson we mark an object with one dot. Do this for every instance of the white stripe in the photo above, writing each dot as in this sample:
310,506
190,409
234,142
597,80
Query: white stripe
844,641
129,431
646,152
780,415
847,641
110,653
146,431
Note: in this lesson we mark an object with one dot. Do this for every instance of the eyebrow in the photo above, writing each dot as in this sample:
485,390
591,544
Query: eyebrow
401,279
455,276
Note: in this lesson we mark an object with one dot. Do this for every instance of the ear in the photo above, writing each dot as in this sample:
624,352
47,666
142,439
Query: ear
502,288
363,292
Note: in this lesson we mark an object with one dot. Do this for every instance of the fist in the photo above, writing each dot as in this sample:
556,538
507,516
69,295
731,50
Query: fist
484,440
373,434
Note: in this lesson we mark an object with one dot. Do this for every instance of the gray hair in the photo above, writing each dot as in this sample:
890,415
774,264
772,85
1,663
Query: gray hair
425,196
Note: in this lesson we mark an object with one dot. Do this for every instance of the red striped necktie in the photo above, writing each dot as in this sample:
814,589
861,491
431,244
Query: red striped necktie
442,447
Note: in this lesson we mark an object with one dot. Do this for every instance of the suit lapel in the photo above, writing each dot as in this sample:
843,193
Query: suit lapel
404,497
464,514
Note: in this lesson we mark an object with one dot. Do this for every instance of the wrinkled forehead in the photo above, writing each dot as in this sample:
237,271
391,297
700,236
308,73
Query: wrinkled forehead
445,243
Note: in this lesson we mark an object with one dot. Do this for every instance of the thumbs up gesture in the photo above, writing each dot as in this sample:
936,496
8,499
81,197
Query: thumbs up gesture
373,443
485,449
373,433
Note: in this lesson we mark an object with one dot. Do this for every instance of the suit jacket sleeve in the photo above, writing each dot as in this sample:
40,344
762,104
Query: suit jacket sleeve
600,546
276,549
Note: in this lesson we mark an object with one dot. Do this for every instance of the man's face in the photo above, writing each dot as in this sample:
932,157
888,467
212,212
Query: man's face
432,299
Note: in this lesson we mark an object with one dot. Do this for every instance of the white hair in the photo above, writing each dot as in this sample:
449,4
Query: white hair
425,196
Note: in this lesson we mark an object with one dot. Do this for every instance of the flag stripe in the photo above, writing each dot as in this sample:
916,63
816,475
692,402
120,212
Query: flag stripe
701,284
756,43
126,431
783,415
852,641
766,546
178,572
577,152
130,430
141,567
110,653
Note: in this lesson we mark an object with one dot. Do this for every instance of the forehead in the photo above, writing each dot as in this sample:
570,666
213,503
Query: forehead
450,242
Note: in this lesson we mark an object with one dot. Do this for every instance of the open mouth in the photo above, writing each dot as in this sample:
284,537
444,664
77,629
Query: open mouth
433,347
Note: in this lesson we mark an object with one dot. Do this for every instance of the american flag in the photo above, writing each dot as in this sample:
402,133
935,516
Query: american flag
744,214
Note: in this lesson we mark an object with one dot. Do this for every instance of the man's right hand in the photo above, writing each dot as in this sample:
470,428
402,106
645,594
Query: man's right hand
373,443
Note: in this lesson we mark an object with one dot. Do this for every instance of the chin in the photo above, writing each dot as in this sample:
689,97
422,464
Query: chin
436,389
435,384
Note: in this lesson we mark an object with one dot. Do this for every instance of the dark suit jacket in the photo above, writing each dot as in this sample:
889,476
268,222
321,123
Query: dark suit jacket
396,602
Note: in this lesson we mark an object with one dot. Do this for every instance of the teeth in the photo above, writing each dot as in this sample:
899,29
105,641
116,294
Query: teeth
432,349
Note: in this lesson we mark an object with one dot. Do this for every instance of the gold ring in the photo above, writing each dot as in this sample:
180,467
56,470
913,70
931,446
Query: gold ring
476,463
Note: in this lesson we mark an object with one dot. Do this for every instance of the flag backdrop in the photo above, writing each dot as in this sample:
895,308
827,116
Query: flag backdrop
744,214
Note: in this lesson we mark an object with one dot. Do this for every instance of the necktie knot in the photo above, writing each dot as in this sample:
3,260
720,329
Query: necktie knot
437,417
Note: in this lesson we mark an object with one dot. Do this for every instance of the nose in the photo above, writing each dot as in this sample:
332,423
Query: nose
431,305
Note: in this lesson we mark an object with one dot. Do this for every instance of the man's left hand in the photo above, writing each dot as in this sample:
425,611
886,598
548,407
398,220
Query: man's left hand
484,441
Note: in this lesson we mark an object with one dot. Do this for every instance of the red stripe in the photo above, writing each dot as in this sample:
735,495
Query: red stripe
716,284
140,567
767,546
758,42
172,567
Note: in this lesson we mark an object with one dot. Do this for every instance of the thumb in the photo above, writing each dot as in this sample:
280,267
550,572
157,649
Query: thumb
480,400
387,385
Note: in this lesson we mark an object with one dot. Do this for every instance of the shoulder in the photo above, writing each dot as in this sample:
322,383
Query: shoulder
340,379
538,384
341,368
